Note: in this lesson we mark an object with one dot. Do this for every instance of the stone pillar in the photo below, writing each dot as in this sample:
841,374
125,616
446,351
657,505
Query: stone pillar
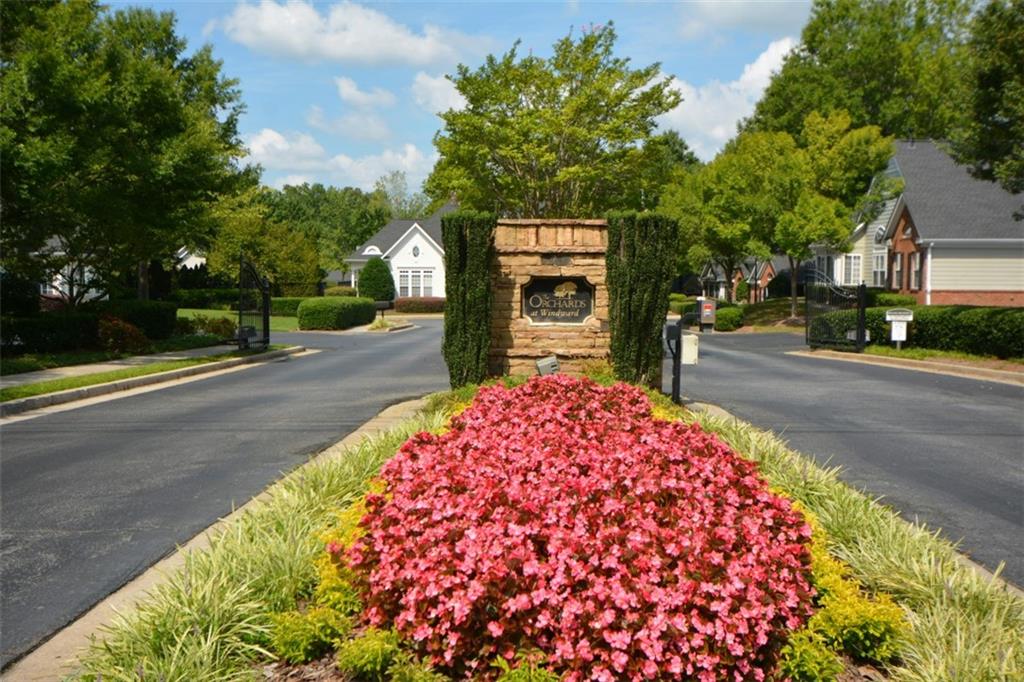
560,265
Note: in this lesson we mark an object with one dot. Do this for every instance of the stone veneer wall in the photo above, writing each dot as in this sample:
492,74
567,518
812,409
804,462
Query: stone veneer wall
545,248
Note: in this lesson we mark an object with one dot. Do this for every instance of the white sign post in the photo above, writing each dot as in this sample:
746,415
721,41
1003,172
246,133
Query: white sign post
898,318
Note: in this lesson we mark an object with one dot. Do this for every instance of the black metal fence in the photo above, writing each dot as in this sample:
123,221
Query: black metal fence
835,315
253,307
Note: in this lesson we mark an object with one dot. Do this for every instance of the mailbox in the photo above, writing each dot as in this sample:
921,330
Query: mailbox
706,311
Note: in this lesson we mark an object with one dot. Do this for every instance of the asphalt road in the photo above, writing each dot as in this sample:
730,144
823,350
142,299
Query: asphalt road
92,497
945,450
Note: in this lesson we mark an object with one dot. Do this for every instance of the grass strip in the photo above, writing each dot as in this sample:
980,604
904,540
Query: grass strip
278,323
34,362
930,354
54,385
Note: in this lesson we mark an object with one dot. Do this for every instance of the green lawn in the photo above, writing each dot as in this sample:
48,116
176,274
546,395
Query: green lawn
930,354
54,385
278,323
33,362
770,312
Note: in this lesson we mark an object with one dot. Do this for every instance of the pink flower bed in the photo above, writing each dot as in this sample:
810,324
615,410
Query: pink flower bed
560,515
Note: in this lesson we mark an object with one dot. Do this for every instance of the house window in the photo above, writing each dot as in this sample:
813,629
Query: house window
851,269
47,289
897,272
915,271
878,269
415,282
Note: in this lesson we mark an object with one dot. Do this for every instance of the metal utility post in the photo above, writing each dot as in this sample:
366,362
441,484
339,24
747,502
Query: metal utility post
684,350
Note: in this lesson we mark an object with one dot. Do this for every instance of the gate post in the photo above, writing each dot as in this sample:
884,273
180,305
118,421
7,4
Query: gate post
266,312
862,300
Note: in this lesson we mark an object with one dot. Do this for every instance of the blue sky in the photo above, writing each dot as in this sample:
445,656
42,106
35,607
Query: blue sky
344,92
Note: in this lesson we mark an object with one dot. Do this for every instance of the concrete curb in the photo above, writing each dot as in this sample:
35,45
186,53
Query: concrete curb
12,407
979,373
56,658
720,413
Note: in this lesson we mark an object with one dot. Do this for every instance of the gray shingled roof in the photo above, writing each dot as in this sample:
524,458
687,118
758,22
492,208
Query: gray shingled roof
946,202
393,231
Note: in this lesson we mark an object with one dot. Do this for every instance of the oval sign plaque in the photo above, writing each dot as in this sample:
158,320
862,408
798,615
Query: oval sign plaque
558,300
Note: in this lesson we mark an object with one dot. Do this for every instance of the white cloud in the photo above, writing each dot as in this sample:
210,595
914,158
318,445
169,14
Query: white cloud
708,114
705,18
351,94
360,125
347,32
436,93
299,155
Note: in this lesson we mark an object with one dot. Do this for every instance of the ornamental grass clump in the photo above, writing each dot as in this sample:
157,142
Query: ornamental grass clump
559,516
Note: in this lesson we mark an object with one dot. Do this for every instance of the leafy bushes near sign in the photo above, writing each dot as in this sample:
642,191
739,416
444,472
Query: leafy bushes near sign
728,319
287,306
119,336
877,298
620,545
640,264
468,238
997,332
419,304
376,282
335,312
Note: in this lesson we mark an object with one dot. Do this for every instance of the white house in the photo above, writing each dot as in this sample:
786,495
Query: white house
413,250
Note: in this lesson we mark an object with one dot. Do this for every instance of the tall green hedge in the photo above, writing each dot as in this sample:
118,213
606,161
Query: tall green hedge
376,282
156,319
468,238
640,263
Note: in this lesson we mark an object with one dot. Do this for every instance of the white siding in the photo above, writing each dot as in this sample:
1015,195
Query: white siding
430,258
972,269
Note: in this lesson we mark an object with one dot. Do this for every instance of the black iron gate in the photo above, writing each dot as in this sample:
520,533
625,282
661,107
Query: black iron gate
253,307
835,316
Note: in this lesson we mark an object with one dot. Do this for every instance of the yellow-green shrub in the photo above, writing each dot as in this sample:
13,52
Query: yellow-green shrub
806,658
298,637
371,655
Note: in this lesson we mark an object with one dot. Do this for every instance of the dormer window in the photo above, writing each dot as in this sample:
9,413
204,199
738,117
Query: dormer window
371,251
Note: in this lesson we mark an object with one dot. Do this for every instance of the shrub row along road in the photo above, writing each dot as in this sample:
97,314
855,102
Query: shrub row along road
91,497
944,450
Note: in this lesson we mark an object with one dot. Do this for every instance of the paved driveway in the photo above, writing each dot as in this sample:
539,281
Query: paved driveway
948,451
93,496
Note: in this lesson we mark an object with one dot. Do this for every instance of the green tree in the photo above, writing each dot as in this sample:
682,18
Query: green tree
842,159
114,142
283,255
898,64
394,188
376,282
992,137
559,137
335,220
814,220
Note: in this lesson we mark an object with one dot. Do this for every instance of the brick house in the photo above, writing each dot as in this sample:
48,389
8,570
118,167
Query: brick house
947,238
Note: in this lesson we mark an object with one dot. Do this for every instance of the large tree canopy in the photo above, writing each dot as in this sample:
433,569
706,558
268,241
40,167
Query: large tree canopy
114,143
559,137
898,64
992,138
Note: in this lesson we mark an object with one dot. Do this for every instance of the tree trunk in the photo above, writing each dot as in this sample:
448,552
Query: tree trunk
793,274
143,281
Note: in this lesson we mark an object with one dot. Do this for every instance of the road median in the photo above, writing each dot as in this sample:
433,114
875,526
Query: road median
967,371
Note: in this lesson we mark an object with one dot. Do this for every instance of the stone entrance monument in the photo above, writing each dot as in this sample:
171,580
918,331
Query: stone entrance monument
550,294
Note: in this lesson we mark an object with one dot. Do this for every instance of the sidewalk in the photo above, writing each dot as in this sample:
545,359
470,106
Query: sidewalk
112,365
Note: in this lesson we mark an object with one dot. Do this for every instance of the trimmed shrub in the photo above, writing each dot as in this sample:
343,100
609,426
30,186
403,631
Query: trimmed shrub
207,299
18,297
370,656
376,282
468,238
221,327
806,658
49,332
340,291
640,262
119,336
742,292
419,304
616,543
156,319
891,300
335,312
728,319
287,306
299,637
